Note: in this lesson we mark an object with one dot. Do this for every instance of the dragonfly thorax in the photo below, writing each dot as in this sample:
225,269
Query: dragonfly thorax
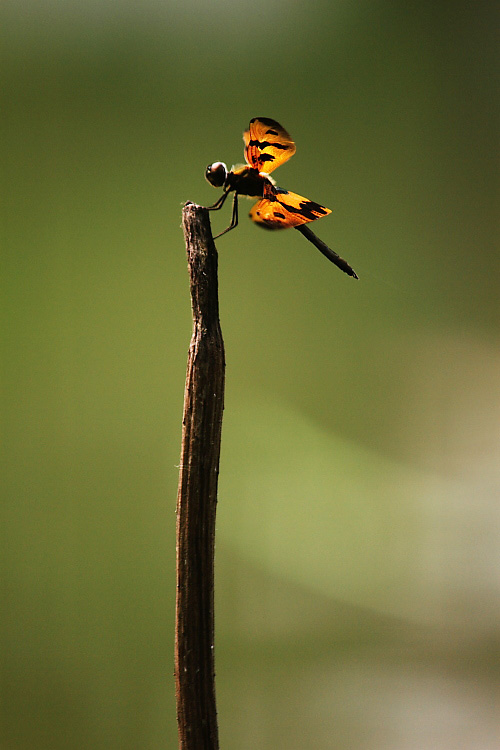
248,181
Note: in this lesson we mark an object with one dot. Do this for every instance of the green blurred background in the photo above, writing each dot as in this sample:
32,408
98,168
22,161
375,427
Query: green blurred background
357,540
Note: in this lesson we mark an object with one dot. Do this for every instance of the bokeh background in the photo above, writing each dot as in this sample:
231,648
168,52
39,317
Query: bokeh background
357,540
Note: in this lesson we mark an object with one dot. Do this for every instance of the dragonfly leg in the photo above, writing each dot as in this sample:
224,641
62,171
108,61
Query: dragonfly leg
234,218
219,203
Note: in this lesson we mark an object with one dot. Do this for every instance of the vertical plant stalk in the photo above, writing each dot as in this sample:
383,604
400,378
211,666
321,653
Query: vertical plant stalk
197,495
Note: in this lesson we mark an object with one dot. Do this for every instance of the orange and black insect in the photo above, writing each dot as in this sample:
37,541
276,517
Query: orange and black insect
267,145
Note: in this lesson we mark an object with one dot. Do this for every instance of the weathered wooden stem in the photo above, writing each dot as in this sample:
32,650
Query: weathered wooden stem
197,495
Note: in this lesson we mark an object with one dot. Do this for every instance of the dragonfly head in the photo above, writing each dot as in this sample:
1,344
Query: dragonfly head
216,173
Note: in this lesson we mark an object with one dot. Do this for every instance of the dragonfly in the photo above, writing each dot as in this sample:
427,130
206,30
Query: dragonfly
267,145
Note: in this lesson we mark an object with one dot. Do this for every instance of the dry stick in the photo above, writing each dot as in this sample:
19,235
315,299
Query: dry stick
197,496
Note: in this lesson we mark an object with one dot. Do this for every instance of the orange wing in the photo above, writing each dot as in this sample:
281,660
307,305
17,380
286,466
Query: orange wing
267,144
281,209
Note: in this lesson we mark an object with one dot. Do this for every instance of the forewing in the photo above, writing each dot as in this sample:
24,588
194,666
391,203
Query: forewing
267,144
283,209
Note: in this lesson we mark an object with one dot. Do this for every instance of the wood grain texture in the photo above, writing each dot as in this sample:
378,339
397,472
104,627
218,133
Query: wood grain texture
197,494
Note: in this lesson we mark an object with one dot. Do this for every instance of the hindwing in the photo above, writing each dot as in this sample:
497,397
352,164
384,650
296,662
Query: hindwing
280,209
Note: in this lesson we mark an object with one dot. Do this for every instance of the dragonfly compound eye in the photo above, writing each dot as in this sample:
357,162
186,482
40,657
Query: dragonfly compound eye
216,173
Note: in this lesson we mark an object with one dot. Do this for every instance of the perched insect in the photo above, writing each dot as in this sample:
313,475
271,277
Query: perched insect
267,145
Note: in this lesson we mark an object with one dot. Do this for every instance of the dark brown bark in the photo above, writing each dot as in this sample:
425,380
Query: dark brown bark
197,495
